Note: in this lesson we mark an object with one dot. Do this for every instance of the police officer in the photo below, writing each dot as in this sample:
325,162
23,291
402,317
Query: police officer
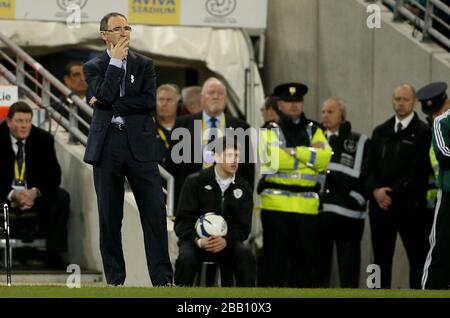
216,189
436,273
290,189
341,220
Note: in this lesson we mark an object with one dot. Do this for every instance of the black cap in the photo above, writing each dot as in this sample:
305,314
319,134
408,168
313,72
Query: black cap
432,97
291,92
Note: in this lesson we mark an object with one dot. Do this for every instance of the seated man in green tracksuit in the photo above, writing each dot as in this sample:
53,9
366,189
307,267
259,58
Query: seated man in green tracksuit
216,189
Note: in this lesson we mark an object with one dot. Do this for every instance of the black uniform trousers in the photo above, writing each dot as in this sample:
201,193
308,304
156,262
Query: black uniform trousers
236,262
436,273
409,220
117,162
46,219
289,239
346,233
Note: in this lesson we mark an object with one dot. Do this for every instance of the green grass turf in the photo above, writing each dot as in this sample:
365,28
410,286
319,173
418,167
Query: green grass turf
184,292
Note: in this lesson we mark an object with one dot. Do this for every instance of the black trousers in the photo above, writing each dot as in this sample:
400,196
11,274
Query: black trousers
346,233
117,162
289,239
436,273
410,221
52,213
236,261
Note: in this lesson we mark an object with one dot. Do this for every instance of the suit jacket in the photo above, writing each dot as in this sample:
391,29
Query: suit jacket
136,106
42,168
182,170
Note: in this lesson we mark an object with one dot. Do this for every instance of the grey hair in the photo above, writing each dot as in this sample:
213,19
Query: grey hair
341,104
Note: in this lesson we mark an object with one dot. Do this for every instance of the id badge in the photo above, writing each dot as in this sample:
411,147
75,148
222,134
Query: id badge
19,185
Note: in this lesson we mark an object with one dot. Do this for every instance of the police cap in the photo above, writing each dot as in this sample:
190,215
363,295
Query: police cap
432,97
291,92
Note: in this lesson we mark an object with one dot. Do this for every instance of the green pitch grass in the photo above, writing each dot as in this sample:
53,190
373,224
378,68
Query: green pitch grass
197,292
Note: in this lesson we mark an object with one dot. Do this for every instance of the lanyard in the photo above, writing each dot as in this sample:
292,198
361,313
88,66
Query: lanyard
19,176
163,137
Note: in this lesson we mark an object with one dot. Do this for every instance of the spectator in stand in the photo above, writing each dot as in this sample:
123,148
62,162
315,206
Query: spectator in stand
191,100
75,81
270,111
29,181
167,98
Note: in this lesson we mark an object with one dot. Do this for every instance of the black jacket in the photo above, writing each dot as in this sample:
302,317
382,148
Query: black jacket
299,134
201,194
346,186
42,168
400,160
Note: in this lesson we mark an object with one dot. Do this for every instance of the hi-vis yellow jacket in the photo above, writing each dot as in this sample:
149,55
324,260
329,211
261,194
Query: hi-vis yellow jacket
291,180
432,188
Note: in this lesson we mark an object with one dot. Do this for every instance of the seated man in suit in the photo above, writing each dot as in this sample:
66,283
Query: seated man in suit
217,189
29,181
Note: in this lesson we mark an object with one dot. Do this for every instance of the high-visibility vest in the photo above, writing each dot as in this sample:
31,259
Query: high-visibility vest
292,180
432,188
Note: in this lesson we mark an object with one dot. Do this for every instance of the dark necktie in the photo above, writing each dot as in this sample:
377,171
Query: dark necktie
399,127
213,129
213,121
19,156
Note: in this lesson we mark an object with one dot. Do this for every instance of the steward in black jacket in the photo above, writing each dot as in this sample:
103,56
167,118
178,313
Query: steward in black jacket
200,194
344,205
400,161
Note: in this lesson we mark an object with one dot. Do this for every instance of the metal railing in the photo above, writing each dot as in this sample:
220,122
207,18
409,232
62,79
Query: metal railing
67,101
430,16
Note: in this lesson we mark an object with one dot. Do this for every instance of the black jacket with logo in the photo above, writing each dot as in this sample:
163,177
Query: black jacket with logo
346,186
201,194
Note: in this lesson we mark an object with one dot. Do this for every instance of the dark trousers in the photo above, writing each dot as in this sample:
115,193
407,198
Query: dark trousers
117,163
346,233
410,221
235,261
289,237
51,213
436,273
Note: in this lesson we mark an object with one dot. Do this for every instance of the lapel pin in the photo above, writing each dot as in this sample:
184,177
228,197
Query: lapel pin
132,78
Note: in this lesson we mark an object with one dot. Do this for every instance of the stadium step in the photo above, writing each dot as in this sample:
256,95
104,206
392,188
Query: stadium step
23,276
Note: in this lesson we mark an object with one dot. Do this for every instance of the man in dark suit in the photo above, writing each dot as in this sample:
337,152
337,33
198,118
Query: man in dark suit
29,180
399,180
122,143
203,127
